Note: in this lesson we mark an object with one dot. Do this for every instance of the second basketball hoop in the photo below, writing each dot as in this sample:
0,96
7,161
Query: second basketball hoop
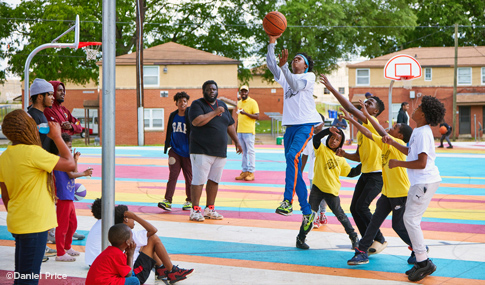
91,49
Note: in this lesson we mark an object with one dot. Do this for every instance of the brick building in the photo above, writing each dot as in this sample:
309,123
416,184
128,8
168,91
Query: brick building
437,65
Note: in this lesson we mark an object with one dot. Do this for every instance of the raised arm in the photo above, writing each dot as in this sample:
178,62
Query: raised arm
271,59
342,100
402,148
317,139
366,132
151,230
380,130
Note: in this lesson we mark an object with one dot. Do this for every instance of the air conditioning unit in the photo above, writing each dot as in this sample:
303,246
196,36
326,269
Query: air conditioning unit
412,94
163,93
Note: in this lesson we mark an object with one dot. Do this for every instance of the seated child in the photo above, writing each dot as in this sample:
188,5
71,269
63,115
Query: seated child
112,266
326,183
66,213
394,191
93,241
149,250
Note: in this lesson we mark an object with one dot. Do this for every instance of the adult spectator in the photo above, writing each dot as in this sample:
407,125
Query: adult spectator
340,122
211,123
403,116
248,113
177,139
61,114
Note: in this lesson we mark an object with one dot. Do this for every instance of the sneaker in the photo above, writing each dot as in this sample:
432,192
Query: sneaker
242,175
78,236
210,213
50,251
307,222
187,206
45,258
196,214
450,146
376,247
177,274
301,243
285,208
51,236
161,273
419,272
440,146
249,177
355,241
316,224
412,258
323,218
165,205
360,257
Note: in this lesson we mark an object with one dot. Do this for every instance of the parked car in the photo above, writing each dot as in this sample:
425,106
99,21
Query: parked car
93,120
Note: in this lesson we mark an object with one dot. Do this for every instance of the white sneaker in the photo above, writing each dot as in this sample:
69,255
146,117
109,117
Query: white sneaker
210,213
196,215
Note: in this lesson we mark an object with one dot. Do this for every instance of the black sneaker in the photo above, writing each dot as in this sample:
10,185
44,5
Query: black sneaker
450,146
419,272
355,241
412,258
440,146
177,274
301,243
360,257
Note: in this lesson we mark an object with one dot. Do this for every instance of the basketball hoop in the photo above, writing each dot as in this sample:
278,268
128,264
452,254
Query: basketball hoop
91,49
407,82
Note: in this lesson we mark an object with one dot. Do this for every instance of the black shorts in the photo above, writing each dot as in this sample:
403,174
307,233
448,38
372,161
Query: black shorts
143,266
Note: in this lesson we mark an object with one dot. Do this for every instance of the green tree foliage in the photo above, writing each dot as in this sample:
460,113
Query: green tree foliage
5,30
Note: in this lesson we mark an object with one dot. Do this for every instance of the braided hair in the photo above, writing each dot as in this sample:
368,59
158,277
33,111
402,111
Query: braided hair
20,128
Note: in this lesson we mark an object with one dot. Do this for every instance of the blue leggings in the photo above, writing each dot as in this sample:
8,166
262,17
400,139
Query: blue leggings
295,139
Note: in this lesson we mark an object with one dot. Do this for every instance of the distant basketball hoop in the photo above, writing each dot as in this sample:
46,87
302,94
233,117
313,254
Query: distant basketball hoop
91,49
403,68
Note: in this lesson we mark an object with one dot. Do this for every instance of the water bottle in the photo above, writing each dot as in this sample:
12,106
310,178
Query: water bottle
43,128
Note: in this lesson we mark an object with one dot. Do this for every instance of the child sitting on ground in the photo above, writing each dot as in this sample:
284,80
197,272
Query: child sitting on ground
150,250
326,183
424,177
112,266
93,241
66,213
394,191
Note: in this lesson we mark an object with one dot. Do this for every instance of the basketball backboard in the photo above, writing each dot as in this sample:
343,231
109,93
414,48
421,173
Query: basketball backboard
402,67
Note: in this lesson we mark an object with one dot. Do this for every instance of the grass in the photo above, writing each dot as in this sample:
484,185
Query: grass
264,127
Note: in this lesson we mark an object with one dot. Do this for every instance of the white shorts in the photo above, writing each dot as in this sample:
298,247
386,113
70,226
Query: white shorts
205,167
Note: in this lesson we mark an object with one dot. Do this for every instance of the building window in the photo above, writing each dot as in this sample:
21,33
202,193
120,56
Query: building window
362,76
325,91
151,76
341,90
153,119
464,75
483,75
428,75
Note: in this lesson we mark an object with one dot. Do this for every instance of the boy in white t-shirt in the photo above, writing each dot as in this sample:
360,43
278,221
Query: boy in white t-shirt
424,177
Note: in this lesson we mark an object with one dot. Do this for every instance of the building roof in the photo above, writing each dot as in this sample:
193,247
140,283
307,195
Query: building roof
173,54
432,57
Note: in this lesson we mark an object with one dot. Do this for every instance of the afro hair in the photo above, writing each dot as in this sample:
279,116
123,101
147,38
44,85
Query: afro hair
181,95
96,208
120,213
433,110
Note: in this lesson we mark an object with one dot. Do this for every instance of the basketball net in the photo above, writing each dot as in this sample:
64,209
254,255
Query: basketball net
92,52
406,83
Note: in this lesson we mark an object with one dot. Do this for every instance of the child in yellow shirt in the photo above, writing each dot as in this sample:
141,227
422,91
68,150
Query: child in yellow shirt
326,182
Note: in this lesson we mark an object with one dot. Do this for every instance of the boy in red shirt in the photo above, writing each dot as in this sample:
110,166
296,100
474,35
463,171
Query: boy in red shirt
115,264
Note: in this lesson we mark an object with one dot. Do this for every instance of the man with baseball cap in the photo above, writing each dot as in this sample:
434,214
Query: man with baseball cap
247,114
42,97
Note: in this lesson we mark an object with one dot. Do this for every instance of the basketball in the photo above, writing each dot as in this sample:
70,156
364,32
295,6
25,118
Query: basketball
79,192
274,23
443,130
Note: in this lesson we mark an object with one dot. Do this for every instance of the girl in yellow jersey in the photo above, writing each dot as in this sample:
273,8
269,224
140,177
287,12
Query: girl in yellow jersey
394,192
326,182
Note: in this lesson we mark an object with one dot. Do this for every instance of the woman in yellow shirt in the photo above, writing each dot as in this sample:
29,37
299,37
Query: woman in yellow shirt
27,190
326,181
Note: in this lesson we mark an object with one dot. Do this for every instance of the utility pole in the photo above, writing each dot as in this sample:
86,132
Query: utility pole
455,78
140,15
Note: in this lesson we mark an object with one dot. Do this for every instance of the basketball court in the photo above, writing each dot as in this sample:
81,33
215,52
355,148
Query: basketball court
253,245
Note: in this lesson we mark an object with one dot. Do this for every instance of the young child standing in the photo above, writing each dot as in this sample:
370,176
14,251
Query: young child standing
326,183
115,264
424,177
394,191
66,213
150,250
177,139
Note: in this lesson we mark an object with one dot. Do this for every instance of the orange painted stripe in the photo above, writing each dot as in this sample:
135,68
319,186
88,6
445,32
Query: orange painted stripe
355,273
296,160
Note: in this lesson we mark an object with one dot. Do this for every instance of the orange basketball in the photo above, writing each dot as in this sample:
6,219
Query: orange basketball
443,130
274,23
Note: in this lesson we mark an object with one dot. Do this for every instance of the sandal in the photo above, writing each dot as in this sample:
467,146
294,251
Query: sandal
72,252
66,258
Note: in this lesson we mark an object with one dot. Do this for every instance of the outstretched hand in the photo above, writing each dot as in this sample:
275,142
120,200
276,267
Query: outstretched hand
387,139
333,130
363,108
272,39
283,57
346,114
324,80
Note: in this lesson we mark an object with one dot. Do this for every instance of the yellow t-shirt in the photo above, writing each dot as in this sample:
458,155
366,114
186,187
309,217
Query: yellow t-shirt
328,168
23,169
244,123
396,181
369,152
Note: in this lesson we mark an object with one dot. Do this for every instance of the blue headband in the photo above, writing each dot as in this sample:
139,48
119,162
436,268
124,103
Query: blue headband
306,61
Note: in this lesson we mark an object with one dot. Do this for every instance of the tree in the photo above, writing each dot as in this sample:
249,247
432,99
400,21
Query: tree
5,30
